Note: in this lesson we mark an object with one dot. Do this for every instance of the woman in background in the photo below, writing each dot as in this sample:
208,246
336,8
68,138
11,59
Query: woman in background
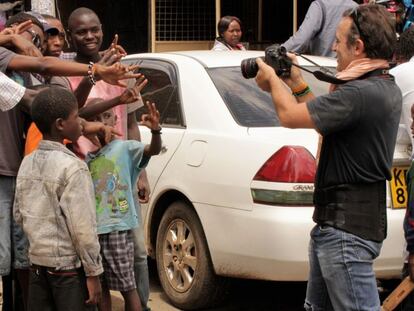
229,29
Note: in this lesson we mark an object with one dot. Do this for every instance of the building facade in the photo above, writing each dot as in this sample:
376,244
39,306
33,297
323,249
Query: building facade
167,25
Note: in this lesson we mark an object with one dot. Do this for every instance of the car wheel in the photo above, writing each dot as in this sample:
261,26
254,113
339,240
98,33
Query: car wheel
183,260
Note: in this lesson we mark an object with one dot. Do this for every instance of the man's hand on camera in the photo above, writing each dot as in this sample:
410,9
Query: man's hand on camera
265,75
295,77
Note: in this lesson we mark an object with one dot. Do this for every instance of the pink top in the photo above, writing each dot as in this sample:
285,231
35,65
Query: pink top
105,91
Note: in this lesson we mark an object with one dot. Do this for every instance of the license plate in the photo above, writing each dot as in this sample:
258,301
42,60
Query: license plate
398,183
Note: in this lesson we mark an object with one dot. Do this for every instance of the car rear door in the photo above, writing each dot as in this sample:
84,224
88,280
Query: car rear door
163,90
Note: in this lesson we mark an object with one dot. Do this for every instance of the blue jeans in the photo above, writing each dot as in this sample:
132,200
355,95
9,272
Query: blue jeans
141,266
10,232
7,188
341,275
140,260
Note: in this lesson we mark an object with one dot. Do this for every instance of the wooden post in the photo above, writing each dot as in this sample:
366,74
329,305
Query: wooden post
153,29
218,14
295,15
260,21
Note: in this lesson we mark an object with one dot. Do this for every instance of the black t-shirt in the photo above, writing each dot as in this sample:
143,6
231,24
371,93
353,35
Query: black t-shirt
359,123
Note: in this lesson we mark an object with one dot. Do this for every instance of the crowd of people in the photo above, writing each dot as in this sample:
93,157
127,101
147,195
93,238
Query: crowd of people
70,209
72,167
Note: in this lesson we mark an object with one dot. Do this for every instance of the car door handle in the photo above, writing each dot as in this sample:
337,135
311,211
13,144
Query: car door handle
164,149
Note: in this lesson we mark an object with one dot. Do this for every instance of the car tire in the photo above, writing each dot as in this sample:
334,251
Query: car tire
183,260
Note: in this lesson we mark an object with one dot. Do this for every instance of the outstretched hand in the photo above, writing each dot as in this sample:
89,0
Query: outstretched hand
152,118
144,189
17,29
118,48
113,54
295,78
116,72
266,75
26,47
91,130
132,94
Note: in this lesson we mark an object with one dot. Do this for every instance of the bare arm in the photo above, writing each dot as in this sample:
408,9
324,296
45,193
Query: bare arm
82,91
143,186
108,58
53,66
291,113
154,147
151,120
47,65
310,26
131,95
127,97
89,111
132,127
20,45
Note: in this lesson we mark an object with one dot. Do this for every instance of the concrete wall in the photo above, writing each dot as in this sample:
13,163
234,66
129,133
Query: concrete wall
166,46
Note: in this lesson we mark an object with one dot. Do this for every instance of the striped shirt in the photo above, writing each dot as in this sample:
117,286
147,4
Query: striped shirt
10,92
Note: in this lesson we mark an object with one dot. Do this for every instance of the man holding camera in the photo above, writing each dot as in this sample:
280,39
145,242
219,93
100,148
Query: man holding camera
358,121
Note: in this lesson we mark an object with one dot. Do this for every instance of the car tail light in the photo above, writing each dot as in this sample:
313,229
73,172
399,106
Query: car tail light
291,164
293,169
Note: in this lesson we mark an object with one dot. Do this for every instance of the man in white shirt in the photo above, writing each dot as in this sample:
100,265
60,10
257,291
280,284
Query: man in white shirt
403,74
10,92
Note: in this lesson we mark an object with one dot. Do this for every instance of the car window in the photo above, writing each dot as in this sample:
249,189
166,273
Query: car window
248,104
162,89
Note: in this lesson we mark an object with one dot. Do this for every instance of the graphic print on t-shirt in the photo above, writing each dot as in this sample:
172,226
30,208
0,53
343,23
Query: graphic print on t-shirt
110,192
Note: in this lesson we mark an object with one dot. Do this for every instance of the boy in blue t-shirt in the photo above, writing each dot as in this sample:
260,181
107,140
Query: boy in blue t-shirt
115,169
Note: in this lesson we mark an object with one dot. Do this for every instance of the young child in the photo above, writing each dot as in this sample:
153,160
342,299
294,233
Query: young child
55,204
115,169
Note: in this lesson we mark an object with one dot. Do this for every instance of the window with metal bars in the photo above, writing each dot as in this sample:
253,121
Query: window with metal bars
185,20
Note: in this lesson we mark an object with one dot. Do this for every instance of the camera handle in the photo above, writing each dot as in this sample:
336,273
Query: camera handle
323,74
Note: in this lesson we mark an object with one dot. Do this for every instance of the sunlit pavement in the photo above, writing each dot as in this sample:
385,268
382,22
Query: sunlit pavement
244,296
158,300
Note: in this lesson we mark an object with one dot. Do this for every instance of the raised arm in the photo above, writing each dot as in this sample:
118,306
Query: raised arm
56,67
310,26
127,97
108,57
151,120
19,44
291,113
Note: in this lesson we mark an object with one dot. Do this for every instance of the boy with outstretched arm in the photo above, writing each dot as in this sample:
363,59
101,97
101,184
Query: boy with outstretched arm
115,169
55,204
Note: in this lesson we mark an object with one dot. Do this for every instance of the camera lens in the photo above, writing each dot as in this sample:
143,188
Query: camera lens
249,68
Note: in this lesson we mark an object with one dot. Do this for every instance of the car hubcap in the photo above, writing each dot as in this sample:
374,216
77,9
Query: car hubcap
179,254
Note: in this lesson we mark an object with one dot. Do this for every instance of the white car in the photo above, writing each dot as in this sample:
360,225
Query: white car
232,189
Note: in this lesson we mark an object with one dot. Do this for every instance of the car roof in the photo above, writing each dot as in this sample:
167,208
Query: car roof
213,59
